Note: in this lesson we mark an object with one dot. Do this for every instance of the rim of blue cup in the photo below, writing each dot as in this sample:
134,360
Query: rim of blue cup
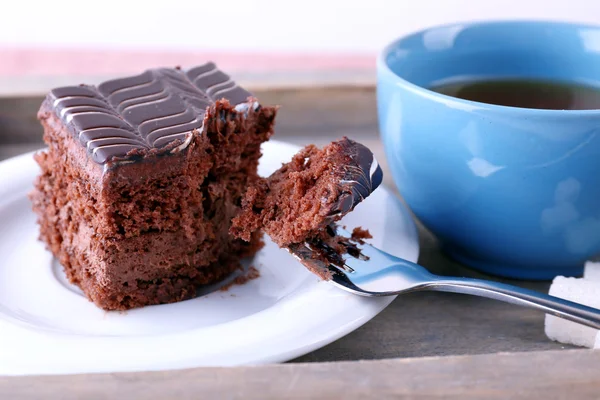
425,92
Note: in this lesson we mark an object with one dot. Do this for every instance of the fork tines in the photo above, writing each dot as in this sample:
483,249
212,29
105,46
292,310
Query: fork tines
325,254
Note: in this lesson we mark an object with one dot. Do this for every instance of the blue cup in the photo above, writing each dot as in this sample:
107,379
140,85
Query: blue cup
513,192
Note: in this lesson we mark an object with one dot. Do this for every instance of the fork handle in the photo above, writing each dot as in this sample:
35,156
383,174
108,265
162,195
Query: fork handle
524,297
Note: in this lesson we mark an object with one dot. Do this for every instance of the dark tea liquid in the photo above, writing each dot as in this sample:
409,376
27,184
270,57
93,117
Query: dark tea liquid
539,94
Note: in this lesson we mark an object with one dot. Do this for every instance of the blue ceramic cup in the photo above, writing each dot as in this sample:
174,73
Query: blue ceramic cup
510,191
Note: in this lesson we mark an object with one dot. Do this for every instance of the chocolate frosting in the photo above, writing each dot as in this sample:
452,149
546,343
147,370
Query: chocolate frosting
360,177
156,110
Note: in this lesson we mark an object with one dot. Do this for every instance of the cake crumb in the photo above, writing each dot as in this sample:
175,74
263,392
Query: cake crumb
249,275
337,177
359,234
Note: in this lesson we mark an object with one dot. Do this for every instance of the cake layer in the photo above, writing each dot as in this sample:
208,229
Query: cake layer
143,257
161,192
153,268
135,202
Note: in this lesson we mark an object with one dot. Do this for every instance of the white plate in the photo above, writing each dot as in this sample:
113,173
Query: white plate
48,327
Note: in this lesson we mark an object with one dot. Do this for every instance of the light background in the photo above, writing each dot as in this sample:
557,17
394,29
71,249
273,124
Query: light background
261,43
256,25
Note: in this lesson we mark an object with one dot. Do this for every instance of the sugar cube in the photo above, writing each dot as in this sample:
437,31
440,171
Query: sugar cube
579,290
597,343
591,271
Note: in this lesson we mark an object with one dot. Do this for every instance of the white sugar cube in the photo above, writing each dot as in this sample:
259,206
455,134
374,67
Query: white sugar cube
579,290
591,271
597,343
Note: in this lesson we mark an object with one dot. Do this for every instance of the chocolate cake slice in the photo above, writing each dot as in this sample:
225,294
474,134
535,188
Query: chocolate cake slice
302,198
141,179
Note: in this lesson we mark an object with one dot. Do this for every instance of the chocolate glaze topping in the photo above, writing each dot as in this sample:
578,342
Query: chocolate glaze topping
156,110
360,177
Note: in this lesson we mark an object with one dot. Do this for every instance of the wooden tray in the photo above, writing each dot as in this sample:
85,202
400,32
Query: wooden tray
441,344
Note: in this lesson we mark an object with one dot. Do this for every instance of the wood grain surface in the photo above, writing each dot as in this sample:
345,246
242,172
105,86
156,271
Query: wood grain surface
416,325
540,375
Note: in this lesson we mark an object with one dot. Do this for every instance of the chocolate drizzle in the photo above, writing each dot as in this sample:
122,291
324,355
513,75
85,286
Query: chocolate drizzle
156,110
361,175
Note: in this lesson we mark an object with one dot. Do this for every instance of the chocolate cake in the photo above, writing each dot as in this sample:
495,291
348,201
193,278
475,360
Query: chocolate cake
141,179
318,187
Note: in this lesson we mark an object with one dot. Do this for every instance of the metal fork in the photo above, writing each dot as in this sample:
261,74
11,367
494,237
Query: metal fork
367,271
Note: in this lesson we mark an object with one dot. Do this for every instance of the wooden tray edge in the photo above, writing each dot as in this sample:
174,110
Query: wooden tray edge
545,374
